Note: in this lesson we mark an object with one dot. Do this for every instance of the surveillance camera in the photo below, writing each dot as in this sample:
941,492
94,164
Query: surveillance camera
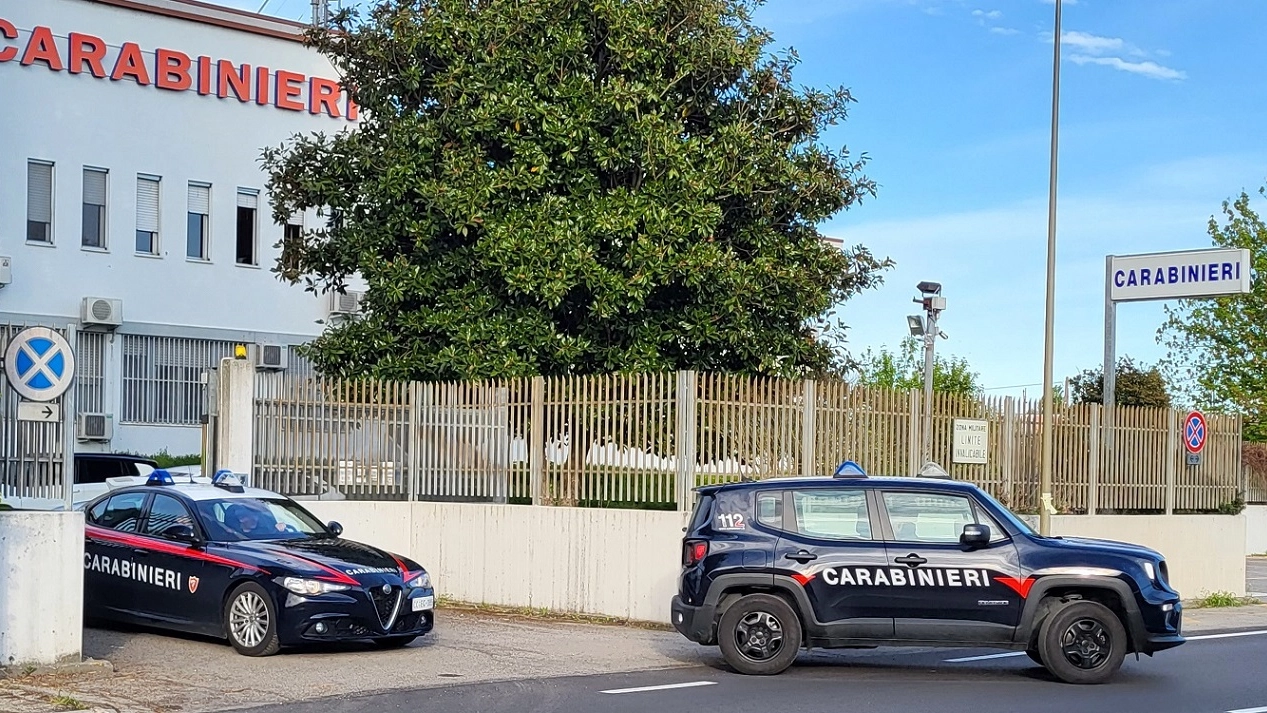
929,288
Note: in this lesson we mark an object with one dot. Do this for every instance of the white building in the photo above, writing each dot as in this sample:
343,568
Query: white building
133,204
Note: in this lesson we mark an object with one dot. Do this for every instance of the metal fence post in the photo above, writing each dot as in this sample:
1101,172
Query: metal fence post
537,439
414,441
1171,442
687,398
68,402
809,429
917,436
1093,470
1009,449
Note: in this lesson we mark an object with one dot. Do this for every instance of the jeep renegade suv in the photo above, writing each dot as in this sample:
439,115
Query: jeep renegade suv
770,567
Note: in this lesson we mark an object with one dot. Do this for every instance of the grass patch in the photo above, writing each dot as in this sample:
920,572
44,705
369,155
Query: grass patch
1220,600
449,604
67,703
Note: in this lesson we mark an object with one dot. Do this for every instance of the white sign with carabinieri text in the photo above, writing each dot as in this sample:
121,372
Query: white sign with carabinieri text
971,441
1179,275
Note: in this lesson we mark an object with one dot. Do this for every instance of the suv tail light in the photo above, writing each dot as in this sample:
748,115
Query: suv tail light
693,552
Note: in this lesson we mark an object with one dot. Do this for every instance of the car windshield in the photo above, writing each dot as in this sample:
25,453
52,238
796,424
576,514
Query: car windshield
241,519
1010,516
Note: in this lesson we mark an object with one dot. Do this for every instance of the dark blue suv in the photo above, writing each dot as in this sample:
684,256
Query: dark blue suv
772,566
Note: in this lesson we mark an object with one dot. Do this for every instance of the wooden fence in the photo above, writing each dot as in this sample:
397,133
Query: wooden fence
645,440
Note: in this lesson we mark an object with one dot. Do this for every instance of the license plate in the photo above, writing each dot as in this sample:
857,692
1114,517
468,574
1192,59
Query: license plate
424,603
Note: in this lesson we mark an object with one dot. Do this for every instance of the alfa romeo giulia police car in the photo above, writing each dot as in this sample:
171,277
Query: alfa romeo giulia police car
249,565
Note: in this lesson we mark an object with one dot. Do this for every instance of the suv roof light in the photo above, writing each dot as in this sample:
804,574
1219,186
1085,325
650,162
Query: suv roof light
849,469
227,480
932,470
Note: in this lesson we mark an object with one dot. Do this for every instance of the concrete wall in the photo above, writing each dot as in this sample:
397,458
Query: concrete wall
1204,553
42,590
1255,529
621,563
625,563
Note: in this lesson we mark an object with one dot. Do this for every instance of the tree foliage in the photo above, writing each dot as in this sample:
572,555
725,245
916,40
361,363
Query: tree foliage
1219,346
572,186
904,369
1134,385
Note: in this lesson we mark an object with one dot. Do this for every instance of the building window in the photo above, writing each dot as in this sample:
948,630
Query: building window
147,215
162,378
90,372
94,234
248,204
199,221
39,202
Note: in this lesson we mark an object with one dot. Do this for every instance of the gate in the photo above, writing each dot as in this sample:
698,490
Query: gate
32,453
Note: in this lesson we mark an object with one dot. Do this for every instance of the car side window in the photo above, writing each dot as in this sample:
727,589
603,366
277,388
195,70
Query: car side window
123,512
94,515
95,470
928,517
166,512
832,513
770,509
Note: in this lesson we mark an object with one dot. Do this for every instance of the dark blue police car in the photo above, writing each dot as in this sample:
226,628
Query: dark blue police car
770,567
245,564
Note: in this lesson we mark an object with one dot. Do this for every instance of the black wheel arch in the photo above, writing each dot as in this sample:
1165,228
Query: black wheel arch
1114,593
726,589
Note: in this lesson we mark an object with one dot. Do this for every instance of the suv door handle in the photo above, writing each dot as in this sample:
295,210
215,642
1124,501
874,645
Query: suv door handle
912,559
802,556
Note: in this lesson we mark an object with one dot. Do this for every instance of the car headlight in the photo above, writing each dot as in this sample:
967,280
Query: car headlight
422,581
1150,570
311,587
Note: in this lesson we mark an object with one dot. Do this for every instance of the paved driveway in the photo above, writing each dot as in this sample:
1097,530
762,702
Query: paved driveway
1256,577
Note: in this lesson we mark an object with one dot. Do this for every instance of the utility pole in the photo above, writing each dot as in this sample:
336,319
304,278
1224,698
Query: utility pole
926,326
1044,485
320,12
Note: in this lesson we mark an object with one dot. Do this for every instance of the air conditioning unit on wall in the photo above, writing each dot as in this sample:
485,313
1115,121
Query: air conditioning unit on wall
270,356
346,304
101,312
94,427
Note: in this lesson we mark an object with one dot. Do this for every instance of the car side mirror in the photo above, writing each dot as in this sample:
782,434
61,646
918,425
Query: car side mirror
975,536
335,528
181,533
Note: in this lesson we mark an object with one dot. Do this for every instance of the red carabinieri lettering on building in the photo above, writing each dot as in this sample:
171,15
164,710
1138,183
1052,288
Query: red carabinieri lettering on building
176,71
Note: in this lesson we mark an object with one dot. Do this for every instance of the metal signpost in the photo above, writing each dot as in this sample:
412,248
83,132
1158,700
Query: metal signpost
1187,274
40,367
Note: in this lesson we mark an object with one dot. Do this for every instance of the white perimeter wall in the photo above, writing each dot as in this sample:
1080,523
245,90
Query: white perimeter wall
1256,529
41,588
625,563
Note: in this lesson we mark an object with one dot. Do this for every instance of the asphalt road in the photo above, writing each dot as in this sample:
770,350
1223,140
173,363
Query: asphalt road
1209,674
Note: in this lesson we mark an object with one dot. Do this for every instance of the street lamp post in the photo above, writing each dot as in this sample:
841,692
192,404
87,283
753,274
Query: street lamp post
934,304
1044,486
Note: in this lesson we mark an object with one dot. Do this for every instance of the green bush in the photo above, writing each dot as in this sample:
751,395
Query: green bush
166,460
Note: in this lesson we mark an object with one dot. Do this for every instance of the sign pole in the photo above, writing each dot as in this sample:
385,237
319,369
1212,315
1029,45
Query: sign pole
1108,391
1045,504
68,427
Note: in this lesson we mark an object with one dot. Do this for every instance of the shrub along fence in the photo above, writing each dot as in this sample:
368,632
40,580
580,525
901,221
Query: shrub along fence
645,440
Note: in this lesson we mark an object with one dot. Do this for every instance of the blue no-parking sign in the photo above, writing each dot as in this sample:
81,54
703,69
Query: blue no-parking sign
39,364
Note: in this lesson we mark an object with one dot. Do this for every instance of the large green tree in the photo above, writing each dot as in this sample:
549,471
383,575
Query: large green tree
904,369
1134,385
1218,347
573,186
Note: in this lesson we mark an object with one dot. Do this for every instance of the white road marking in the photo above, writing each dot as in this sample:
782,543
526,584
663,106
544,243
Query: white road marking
1260,709
987,657
1234,634
667,687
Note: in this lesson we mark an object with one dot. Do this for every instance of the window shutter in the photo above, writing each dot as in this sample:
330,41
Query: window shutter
247,200
94,186
39,192
199,199
147,205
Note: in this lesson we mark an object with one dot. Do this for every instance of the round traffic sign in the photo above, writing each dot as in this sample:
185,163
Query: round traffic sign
1194,432
39,364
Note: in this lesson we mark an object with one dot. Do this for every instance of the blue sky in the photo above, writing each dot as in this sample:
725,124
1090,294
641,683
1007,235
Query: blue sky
1162,118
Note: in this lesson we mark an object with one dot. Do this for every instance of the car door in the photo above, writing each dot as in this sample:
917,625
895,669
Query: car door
109,541
173,566
831,543
950,592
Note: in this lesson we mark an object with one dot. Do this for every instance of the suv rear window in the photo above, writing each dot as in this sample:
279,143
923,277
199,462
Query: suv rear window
703,510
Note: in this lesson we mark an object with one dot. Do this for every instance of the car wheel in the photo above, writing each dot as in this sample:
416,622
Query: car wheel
250,620
394,642
1082,642
760,635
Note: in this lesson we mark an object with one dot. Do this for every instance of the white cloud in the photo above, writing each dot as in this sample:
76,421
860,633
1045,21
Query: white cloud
1004,30
989,15
1092,44
1145,68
